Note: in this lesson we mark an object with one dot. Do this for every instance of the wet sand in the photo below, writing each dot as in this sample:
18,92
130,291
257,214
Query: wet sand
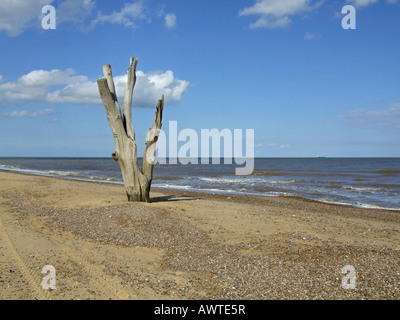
189,245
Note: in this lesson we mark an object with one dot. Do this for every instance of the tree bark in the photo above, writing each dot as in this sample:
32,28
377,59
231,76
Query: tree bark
137,182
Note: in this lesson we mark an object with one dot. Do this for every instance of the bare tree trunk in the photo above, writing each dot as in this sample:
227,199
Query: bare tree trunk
137,183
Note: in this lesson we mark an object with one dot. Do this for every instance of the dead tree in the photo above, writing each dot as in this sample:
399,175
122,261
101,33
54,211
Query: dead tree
137,182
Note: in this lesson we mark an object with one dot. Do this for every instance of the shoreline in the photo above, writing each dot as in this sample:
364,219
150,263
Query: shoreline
188,246
221,193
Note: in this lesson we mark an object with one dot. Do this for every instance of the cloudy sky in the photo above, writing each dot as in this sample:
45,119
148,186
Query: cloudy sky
285,68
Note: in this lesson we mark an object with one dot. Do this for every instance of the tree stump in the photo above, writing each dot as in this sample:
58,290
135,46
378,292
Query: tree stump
137,182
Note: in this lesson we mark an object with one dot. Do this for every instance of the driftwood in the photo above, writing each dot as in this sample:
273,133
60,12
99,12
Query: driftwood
137,182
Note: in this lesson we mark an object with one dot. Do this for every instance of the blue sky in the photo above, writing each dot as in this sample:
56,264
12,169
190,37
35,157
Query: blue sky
286,69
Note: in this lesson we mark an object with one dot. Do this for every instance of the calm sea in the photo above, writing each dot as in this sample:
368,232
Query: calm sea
362,182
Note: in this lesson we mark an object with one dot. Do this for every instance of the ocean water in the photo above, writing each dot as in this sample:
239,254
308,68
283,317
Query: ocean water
361,182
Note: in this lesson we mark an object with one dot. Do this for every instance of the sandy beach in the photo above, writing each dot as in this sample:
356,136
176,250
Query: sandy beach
186,246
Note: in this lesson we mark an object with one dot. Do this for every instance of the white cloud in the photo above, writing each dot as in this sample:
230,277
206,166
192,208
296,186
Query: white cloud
15,114
57,86
24,113
276,13
18,15
74,10
311,36
34,85
384,118
126,16
154,84
364,3
170,20
40,113
277,7
271,22
42,78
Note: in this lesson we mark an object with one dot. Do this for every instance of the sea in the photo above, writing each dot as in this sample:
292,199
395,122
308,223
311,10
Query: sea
358,182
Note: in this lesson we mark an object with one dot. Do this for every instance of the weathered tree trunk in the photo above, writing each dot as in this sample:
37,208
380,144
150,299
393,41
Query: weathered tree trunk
137,183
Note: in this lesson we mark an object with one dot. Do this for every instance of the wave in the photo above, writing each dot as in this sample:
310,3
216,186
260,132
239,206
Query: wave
58,173
281,182
64,173
226,180
241,191
362,188
358,205
16,169
248,181
166,185
270,194
372,206
351,193
192,188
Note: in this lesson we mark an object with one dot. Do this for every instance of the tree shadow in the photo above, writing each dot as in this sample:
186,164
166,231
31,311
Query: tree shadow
172,198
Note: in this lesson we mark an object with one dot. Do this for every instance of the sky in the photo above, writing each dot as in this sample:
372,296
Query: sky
285,68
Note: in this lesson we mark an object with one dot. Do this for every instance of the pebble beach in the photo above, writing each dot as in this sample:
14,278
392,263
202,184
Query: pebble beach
190,246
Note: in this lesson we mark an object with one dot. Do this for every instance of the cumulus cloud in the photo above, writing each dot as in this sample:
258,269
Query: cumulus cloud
18,15
34,85
277,13
170,20
57,86
126,16
384,118
24,113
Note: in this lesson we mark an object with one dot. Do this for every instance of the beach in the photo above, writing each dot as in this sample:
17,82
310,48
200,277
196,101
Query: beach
189,246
